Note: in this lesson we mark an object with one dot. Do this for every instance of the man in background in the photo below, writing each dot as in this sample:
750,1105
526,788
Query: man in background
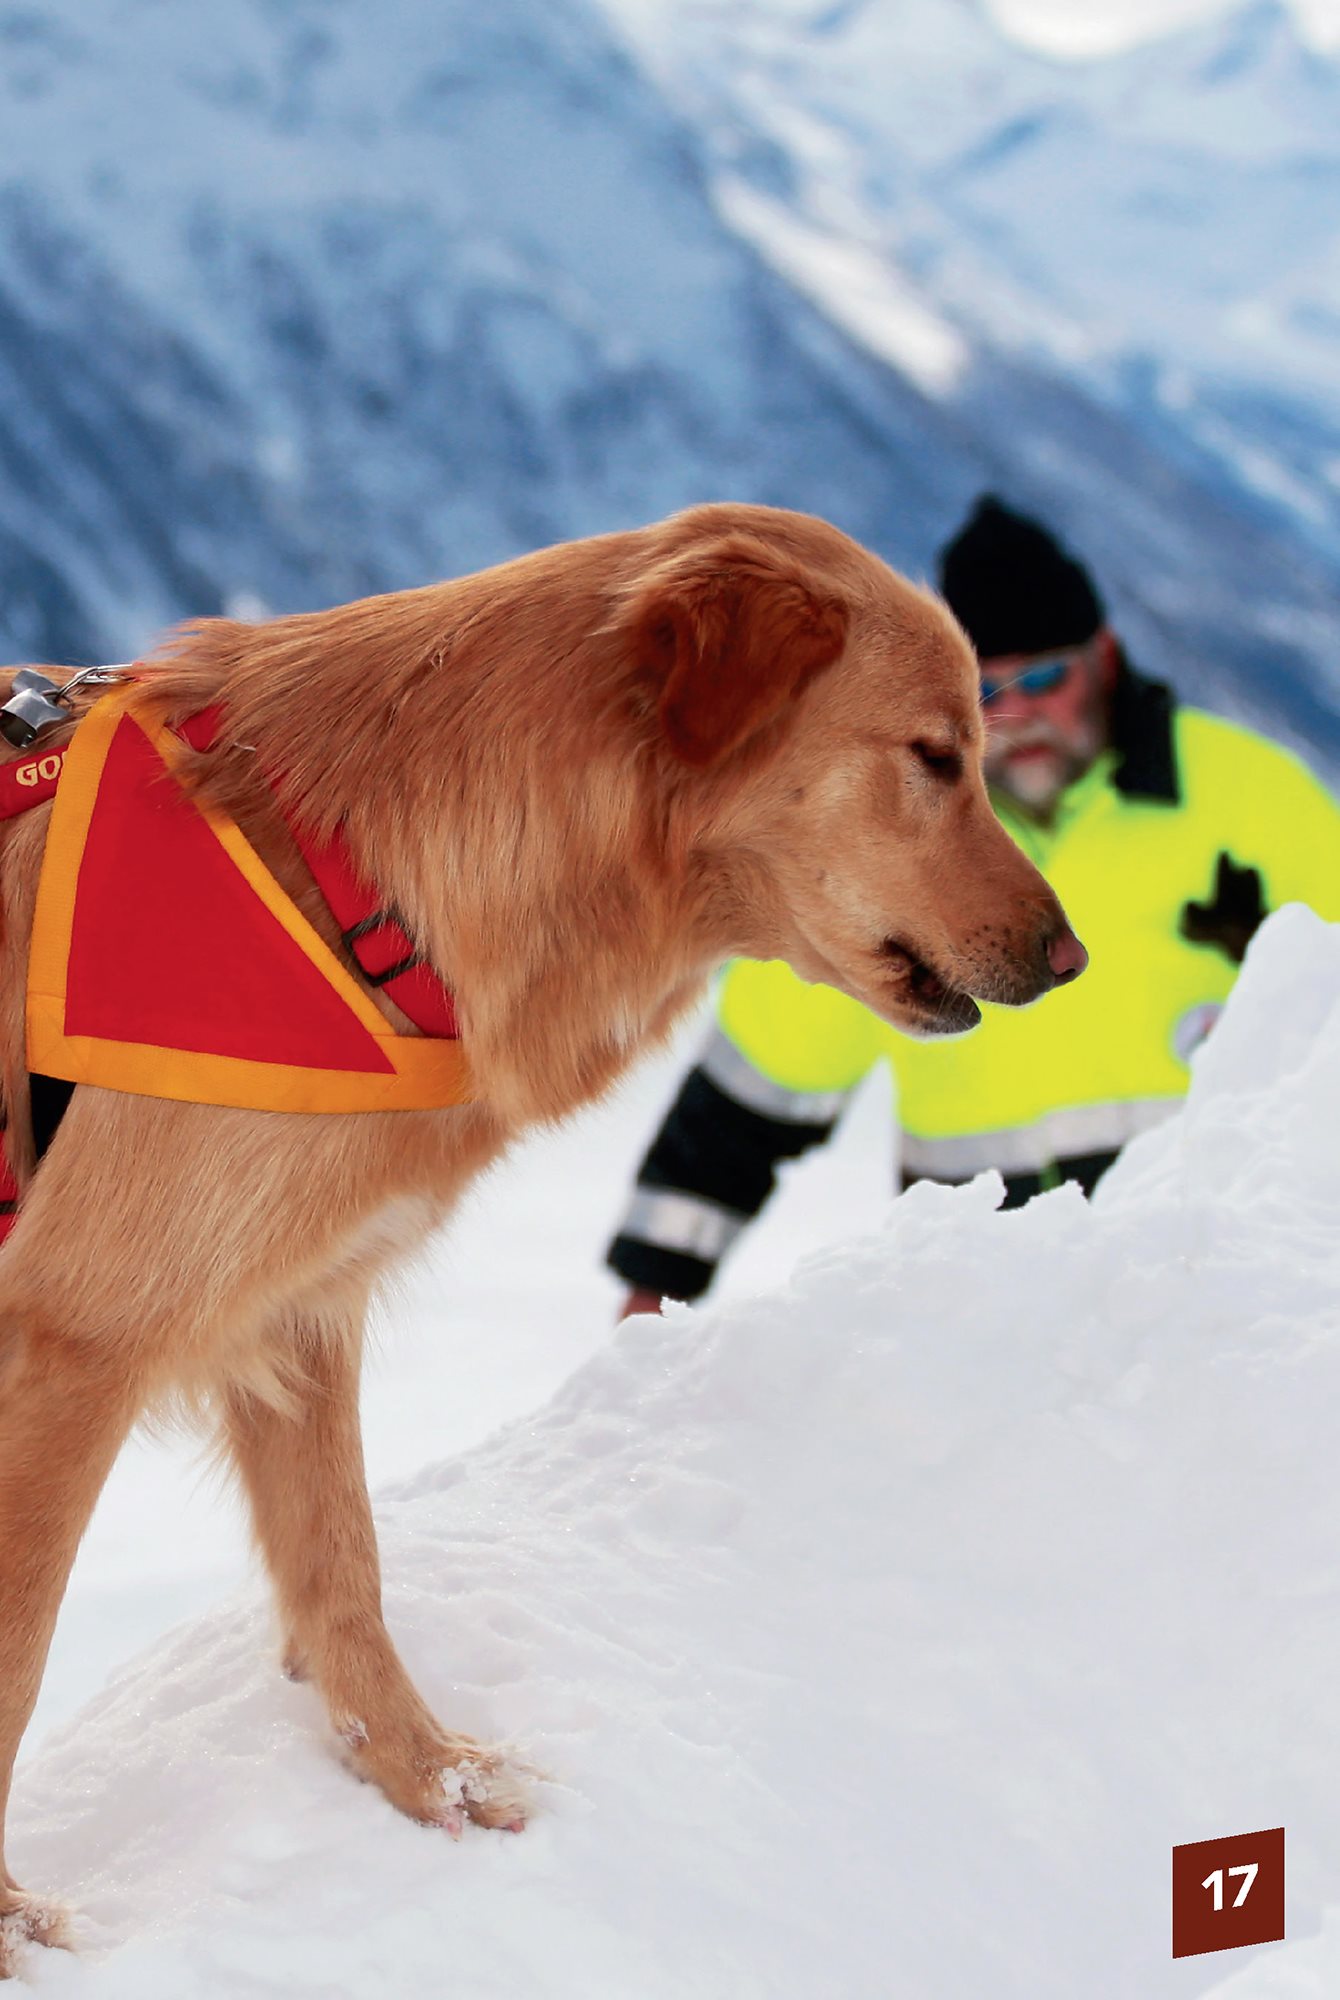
1168,834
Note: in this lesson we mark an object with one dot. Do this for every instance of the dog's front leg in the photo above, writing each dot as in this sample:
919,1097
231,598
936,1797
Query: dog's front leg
303,1473
66,1403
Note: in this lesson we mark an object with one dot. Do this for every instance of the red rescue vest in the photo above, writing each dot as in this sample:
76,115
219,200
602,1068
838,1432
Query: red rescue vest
167,960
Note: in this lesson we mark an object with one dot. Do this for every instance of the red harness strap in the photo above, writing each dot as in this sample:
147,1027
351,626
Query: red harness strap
373,934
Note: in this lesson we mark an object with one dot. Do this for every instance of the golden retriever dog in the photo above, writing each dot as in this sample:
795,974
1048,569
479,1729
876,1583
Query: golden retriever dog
585,778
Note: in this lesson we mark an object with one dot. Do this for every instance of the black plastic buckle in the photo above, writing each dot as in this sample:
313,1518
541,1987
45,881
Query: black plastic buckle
356,932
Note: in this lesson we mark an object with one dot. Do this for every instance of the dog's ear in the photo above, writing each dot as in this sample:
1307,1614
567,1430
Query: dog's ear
732,634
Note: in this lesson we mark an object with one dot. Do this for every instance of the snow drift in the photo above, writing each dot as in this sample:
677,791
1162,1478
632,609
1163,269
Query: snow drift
878,1636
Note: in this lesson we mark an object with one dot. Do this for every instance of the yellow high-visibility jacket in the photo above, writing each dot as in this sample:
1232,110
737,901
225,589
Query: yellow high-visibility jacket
1101,1059
1136,840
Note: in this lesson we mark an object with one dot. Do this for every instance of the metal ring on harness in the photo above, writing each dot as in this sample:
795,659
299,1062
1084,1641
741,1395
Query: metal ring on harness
35,702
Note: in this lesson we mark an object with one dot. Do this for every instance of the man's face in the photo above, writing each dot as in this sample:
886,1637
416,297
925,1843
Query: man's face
1046,720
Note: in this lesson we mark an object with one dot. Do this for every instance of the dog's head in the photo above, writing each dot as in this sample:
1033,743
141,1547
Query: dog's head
823,714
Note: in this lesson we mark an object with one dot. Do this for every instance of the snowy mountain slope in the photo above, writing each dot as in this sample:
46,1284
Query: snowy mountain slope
298,302
394,296
112,509
878,1634
1176,203
1150,243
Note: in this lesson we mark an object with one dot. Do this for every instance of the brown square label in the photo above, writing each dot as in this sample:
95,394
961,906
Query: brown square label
1227,1893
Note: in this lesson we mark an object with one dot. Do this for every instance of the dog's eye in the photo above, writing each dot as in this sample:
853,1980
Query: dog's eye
946,764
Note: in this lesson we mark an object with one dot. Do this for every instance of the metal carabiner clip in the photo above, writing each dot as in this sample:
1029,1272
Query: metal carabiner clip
36,702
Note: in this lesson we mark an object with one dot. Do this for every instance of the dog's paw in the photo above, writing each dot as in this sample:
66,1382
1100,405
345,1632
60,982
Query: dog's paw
437,1778
483,1786
26,1920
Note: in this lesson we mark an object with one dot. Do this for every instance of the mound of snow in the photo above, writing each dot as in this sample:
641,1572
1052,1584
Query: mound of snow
878,1636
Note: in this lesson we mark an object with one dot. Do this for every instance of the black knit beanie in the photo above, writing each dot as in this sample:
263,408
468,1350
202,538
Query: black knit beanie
1013,588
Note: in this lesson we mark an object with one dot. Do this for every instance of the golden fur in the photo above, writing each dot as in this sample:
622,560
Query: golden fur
585,777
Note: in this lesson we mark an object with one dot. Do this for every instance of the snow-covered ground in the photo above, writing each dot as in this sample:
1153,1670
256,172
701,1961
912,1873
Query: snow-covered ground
877,1633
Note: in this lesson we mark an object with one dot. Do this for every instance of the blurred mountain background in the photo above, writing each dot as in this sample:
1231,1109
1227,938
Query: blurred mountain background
301,299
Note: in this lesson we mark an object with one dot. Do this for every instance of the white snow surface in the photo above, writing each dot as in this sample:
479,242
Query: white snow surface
877,1634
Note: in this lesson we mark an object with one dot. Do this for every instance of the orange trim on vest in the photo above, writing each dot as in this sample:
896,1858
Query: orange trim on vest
167,961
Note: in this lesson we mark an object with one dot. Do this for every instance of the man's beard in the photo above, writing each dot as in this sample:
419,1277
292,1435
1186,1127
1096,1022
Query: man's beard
1036,782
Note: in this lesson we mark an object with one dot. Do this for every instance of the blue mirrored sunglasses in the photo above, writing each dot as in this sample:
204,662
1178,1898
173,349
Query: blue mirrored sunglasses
1043,677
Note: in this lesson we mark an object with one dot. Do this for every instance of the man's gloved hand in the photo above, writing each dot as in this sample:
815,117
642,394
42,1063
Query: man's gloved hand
1235,914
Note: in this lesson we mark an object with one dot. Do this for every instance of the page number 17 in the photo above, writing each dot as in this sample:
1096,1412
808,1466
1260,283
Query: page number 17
1228,1893
1216,1882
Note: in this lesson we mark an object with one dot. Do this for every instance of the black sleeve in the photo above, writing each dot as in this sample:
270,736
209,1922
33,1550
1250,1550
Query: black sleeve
722,1156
